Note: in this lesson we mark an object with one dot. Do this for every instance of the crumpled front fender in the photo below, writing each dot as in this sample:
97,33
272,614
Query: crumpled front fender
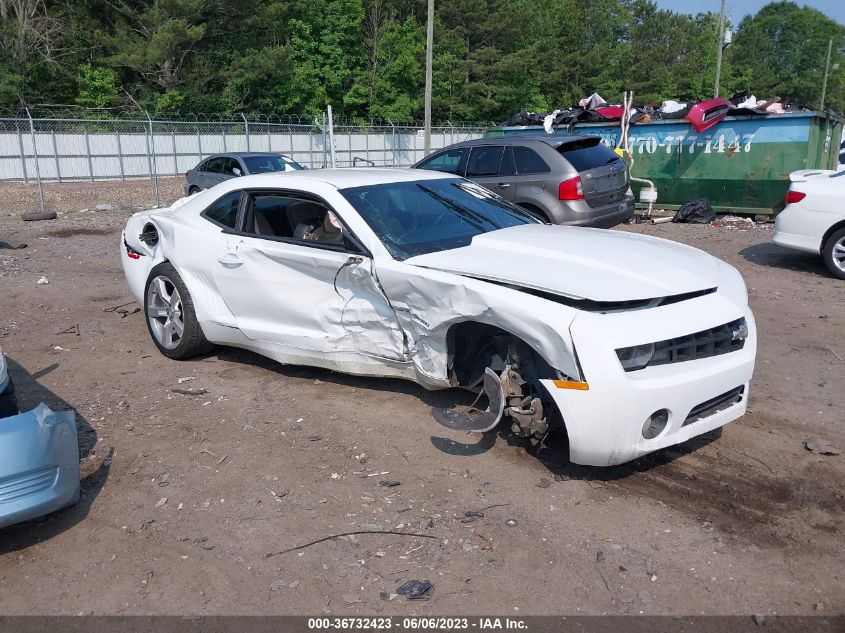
428,302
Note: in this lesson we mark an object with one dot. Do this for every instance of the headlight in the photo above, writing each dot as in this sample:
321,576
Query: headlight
4,372
636,357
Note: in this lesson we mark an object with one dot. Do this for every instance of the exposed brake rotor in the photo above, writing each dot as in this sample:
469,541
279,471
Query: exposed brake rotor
506,398
482,421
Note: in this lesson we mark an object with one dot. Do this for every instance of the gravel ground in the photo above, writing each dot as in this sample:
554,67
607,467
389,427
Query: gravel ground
187,499
73,196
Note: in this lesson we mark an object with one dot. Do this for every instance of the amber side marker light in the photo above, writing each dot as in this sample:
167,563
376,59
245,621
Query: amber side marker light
571,384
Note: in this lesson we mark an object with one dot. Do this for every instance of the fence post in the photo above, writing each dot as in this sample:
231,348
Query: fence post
290,138
120,155
269,138
35,153
367,132
23,154
56,156
246,129
325,129
392,142
331,137
310,150
175,157
151,158
88,152
199,142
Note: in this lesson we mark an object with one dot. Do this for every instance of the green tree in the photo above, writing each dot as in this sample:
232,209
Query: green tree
156,40
781,51
668,55
98,87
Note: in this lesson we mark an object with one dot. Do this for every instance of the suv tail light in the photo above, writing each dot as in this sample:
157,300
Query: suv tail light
571,189
794,196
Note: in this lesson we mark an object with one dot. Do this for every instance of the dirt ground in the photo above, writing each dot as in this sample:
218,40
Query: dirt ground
186,499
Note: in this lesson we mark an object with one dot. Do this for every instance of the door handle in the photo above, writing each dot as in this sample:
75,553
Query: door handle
230,259
503,185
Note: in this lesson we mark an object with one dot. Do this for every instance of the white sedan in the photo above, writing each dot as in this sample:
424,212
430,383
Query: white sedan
813,220
627,343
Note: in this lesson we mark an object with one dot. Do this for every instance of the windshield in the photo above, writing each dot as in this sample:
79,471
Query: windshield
263,164
425,216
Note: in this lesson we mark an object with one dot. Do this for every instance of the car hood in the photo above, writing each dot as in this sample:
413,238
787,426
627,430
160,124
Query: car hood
581,263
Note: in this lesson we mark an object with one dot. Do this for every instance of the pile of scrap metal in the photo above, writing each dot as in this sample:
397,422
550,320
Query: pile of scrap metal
39,457
701,115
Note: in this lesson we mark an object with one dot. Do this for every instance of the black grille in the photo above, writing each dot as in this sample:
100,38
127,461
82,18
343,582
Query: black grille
714,405
716,341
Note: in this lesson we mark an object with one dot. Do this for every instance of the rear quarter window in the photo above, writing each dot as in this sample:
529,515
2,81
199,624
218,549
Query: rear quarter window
584,157
224,212
529,162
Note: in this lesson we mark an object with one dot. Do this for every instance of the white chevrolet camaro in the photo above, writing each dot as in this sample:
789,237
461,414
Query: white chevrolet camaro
813,219
627,343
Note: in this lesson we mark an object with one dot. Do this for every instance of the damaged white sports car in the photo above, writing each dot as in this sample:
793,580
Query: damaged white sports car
627,343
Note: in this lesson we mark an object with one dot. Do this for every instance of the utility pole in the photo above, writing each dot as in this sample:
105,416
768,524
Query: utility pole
719,46
826,72
429,45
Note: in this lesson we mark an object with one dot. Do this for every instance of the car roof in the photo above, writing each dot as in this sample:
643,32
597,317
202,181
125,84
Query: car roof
554,140
244,154
344,178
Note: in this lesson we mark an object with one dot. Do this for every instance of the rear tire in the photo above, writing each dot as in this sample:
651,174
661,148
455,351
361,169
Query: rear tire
833,253
193,189
171,319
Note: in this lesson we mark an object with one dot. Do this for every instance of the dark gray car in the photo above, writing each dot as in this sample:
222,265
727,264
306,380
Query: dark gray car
220,167
570,179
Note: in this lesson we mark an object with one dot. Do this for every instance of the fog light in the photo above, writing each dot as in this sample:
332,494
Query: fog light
655,424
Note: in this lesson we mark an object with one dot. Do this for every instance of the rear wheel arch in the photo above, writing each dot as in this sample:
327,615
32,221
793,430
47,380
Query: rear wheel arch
537,211
827,235
834,262
192,341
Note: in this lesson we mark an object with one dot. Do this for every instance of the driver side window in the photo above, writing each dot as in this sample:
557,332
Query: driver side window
286,217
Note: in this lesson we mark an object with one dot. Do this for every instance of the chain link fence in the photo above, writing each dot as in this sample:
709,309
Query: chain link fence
51,150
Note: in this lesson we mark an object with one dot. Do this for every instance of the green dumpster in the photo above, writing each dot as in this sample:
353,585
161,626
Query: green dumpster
741,165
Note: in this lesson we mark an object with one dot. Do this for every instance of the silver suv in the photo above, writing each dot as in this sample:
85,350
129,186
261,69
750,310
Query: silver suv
569,179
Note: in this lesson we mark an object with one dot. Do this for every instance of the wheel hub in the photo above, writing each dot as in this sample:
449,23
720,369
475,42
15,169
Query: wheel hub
164,312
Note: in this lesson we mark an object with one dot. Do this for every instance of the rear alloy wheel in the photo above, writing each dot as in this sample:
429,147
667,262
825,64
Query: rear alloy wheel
170,314
833,253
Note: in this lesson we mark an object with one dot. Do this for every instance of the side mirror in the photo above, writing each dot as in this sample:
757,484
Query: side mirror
237,171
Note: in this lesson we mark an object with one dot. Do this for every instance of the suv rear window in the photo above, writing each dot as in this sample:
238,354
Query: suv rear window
588,154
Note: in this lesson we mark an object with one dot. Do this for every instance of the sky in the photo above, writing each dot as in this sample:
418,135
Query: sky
738,9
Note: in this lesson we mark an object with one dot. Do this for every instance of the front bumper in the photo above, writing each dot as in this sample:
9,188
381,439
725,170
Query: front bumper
39,464
605,422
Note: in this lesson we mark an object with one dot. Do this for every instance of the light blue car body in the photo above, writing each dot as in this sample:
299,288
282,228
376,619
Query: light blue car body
39,464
